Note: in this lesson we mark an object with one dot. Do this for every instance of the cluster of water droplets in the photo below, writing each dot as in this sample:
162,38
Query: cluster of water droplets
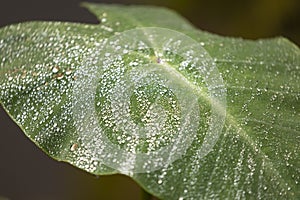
136,100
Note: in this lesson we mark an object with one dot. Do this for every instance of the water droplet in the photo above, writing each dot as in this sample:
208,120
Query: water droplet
60,76
74,147
68,72
158,60
55,69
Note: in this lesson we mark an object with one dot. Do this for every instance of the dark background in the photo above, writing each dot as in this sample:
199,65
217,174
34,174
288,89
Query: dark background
27,173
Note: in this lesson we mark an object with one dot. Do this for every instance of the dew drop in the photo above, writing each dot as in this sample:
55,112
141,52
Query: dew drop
74,147
68,72
60,76
55,69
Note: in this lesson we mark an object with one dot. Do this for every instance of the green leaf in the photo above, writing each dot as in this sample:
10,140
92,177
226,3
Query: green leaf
209,117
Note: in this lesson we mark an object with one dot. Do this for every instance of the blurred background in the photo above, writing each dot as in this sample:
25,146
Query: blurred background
27,173
243,18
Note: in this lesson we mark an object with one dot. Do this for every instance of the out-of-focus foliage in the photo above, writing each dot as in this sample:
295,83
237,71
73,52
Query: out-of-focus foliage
248,18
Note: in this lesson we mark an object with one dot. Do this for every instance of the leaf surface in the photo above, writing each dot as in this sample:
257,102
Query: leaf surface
255,156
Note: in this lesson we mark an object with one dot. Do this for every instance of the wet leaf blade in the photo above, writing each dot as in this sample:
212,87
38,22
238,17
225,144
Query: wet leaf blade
257,153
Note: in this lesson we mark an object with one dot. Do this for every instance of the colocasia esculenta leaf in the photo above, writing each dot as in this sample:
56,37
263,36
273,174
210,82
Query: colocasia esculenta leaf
185,113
